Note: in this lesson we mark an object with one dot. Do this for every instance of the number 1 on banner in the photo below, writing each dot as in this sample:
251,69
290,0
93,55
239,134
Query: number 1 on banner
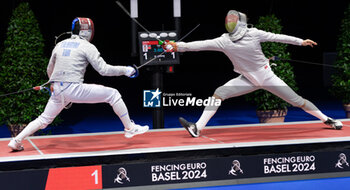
74,178
95,173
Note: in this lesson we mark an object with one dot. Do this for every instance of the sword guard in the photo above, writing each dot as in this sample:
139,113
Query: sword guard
136,71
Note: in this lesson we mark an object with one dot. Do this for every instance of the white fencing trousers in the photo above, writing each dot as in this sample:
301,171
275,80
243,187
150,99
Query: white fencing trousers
263,79
70,92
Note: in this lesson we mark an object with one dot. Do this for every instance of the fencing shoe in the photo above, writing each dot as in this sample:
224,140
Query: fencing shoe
334,123
136,130
15,145
190,127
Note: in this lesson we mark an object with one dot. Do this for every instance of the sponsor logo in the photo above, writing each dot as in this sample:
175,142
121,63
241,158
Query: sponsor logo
122,176
235,168
341,161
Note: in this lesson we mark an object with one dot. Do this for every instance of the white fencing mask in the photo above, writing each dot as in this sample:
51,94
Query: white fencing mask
236,24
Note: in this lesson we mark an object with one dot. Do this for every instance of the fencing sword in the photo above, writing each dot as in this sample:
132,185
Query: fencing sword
56,37
145,29
37,88
276,58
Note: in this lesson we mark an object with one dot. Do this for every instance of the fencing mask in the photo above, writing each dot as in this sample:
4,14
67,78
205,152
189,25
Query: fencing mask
236,24
84,27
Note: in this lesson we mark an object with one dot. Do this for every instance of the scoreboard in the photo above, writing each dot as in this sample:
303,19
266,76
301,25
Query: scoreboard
150,46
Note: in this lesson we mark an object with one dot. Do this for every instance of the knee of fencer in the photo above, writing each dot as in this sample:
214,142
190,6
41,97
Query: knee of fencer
218,97
41,123
45,120
298,102
115,97
220,93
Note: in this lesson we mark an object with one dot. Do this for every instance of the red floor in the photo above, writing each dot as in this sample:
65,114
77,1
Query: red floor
158,140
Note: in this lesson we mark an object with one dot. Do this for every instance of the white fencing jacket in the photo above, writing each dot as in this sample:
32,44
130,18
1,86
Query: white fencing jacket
245,54
70,58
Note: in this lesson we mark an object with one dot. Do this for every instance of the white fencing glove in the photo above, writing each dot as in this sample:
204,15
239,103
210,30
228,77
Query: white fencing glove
131,72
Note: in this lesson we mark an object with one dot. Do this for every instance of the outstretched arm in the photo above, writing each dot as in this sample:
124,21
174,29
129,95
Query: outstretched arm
272,37
268,36
204,45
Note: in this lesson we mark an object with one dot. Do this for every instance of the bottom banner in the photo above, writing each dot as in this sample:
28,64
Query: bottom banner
178,171
237,167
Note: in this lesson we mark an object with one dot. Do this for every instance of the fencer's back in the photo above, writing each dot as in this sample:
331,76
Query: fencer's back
70,60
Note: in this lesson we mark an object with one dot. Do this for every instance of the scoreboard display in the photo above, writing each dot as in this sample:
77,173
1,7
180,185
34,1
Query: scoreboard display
151,47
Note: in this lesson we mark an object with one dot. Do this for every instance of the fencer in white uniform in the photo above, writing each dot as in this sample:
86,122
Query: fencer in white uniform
66,71
242,46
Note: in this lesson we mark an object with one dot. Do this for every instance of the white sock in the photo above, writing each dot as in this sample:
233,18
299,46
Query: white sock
207,114
30,129
313,110
123,114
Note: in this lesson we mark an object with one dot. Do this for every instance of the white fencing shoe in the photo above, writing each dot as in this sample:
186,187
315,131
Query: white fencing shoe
136,130
15,145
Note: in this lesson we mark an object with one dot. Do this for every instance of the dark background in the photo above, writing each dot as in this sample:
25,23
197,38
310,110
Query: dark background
199,73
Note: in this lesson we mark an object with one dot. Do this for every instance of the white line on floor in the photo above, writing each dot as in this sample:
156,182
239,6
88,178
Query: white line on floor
212,139
31,142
